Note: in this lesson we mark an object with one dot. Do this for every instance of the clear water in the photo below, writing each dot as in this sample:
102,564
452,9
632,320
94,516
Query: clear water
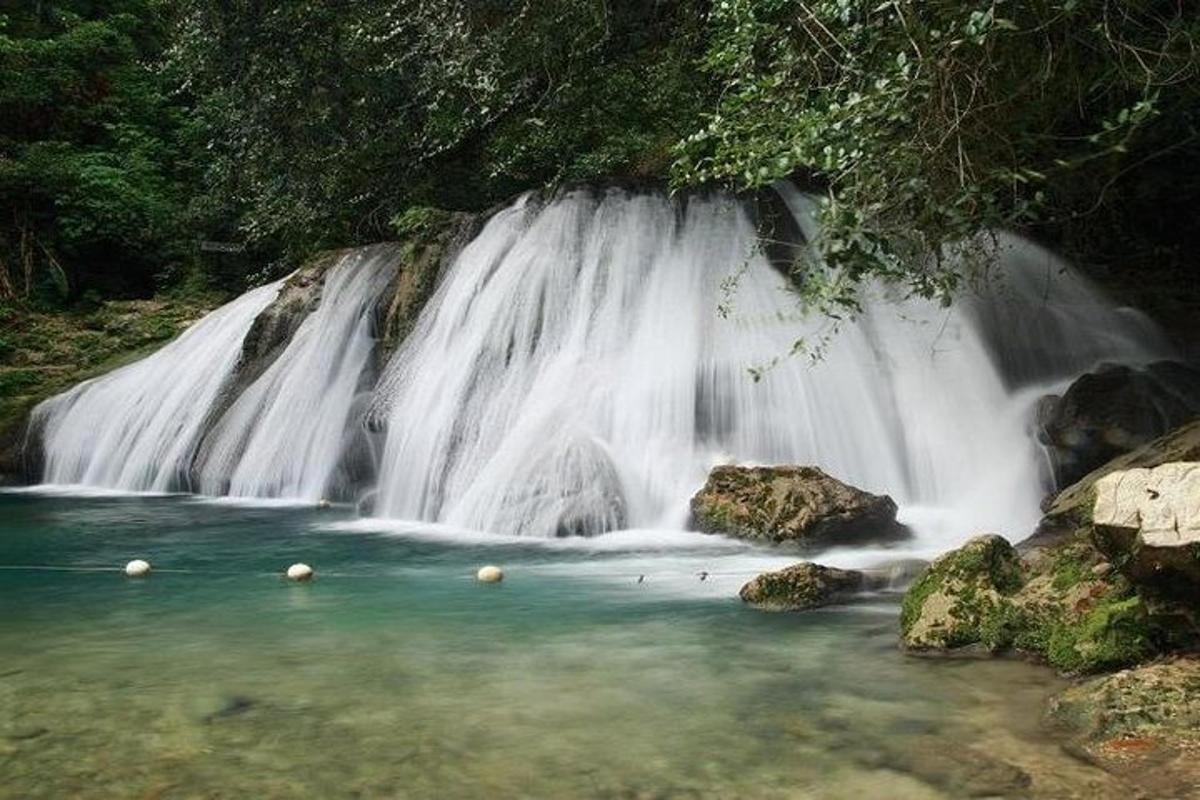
395,675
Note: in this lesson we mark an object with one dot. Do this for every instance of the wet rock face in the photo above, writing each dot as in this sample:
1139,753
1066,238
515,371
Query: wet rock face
792,504
801,586
1147,521
1114,410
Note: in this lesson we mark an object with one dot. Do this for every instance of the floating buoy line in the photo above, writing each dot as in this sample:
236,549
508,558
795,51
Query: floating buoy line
299,572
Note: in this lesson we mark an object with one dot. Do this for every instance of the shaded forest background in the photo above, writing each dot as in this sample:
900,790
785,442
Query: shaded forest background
133,131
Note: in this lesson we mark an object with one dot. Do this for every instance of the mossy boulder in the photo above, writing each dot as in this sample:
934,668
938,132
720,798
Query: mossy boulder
801,586
792,504
950,603
1070,608
1144,722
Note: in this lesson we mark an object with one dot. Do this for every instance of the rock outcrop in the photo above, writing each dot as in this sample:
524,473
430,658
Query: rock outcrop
792,504
1147,521
1109,582
1114,410
801,586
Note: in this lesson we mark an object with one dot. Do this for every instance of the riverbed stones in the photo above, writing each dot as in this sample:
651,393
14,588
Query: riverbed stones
801,586
796,504
1144,721
1147,521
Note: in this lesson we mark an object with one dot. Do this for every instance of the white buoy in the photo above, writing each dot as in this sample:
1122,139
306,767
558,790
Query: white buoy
489,574
323,504
300,572
137,568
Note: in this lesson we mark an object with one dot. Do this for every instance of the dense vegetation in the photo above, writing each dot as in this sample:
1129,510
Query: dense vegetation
130,130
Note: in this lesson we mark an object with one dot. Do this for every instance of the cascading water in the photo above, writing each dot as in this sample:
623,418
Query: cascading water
284,435
572,375
137,428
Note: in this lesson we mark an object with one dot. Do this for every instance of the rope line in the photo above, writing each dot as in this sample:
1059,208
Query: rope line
641,577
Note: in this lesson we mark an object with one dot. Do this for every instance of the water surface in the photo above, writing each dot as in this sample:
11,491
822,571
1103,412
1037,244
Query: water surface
395,675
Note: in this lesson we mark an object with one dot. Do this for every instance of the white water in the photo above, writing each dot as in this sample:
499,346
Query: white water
572,374
286,432
137,428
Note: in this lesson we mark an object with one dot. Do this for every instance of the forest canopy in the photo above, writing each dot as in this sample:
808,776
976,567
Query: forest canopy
130,130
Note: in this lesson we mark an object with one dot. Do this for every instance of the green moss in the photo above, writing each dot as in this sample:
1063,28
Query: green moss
1116,633
914,599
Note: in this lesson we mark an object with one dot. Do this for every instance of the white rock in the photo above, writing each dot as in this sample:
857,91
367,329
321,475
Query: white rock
137,568
1162,503
300,572
323,504
489,574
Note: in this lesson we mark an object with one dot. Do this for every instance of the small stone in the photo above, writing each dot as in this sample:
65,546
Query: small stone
1102,569
324,504
300,572
137,568
489,574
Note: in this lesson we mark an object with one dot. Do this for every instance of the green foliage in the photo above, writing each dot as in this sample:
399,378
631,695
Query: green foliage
928,121
321,123
90,167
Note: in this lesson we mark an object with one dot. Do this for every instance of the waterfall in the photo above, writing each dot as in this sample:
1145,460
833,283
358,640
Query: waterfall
285,434
137,428
586,359
573,375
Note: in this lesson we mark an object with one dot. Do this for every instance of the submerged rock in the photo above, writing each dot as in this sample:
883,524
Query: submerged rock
792,504
1113,410
1144,721
801,586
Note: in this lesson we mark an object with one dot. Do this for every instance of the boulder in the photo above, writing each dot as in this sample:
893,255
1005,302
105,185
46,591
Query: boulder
1147,522
1114,410
948,605
792,504
801,586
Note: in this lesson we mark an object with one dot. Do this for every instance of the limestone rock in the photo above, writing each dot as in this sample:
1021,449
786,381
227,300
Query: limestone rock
1114,410
1148,522
801,586
792,504
947,605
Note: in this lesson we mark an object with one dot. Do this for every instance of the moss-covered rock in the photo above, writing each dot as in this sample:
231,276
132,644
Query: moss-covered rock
1144,721
1072,600
792,504
959,593
801,586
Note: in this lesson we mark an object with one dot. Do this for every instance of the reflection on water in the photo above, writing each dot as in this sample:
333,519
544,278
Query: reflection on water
395,675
